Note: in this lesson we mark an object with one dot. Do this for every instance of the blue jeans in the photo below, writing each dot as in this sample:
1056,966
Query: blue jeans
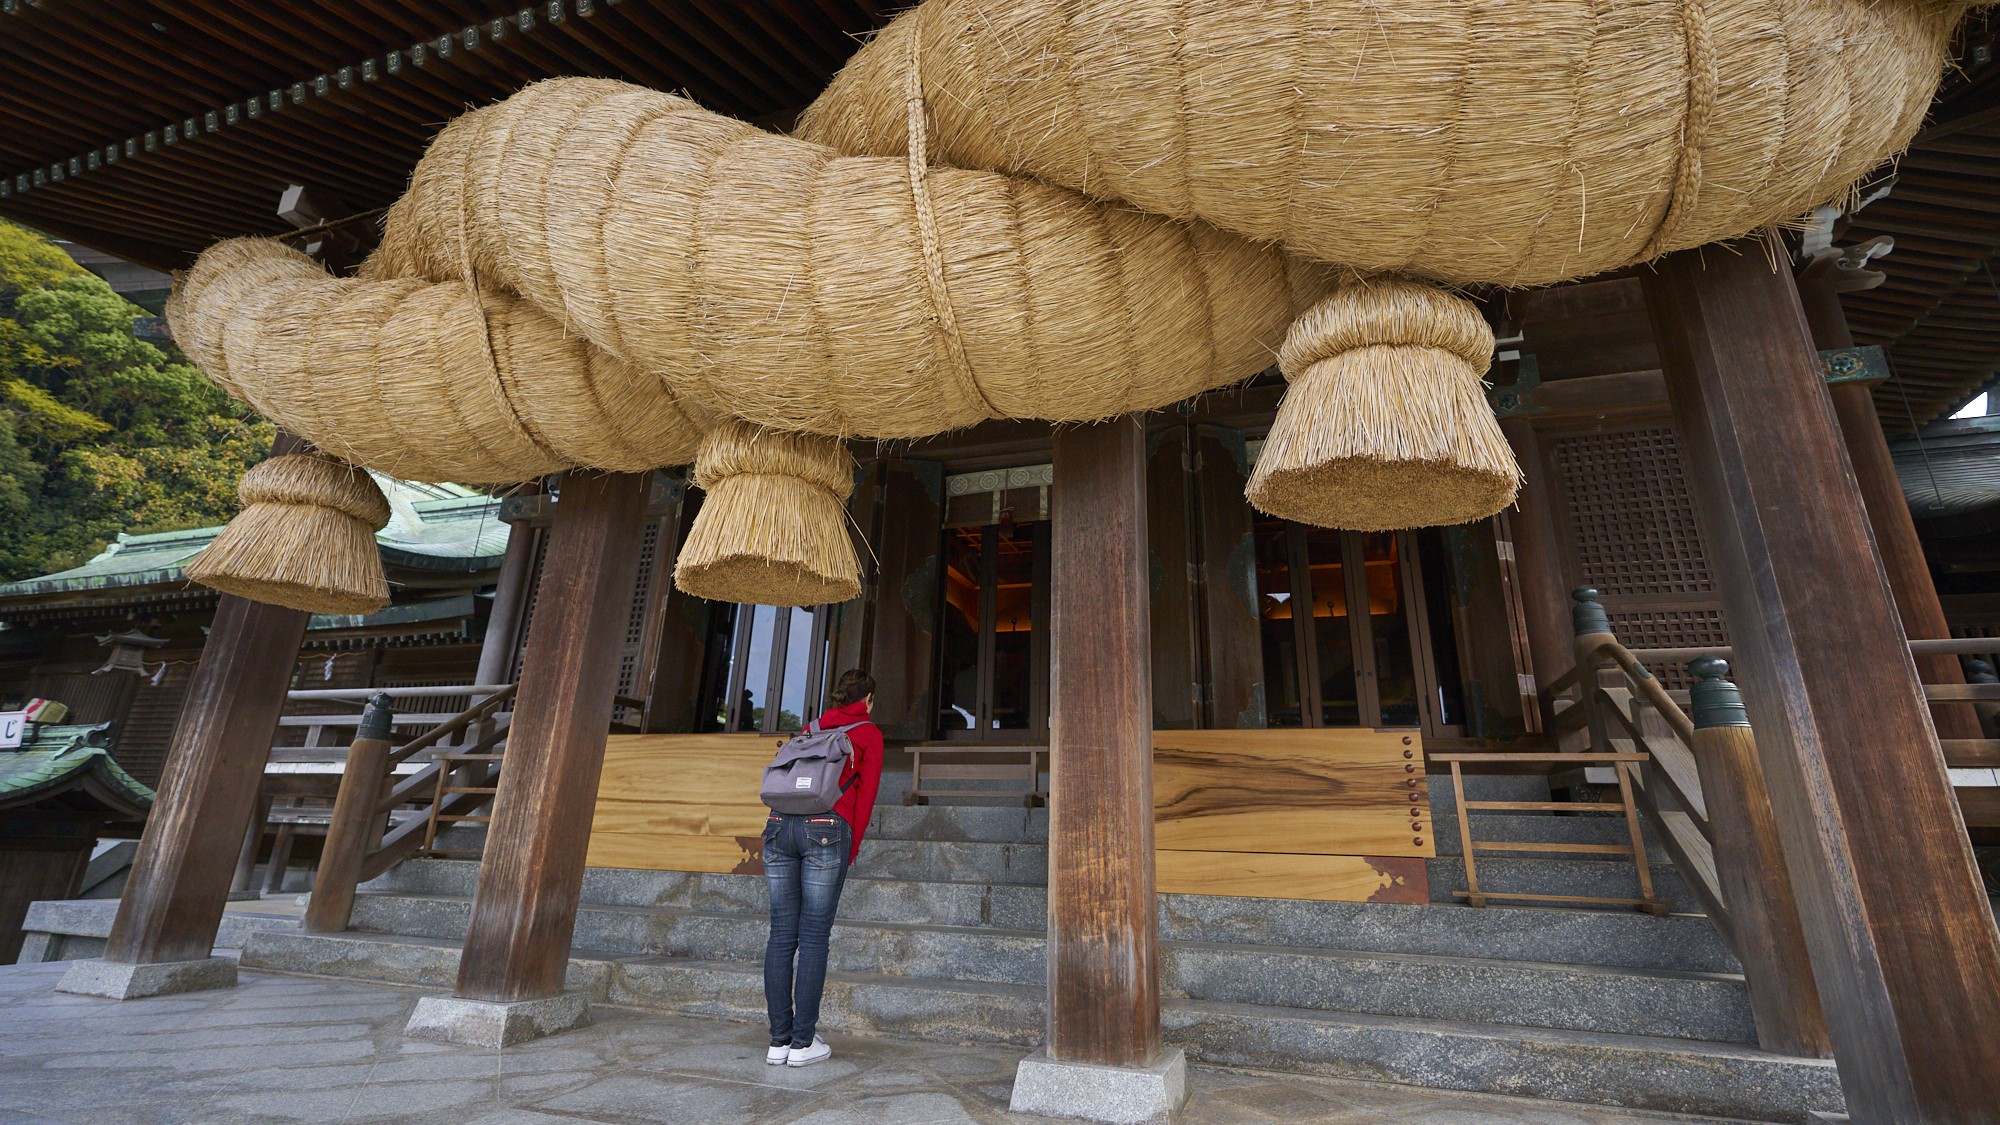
805,860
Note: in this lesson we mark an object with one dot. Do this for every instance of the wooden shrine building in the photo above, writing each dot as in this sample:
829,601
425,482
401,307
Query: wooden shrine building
1202,710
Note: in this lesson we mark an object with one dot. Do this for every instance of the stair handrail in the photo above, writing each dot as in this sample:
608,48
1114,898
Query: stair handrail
359,844
1703,792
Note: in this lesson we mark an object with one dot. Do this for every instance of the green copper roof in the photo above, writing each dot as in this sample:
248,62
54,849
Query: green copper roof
57,761
431,527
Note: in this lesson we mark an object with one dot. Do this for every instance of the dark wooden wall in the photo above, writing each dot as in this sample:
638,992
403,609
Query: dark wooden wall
1231,638
1177,663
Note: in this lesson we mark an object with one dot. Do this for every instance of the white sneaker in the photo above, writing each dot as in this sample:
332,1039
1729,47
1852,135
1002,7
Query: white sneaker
776,1056
806,1056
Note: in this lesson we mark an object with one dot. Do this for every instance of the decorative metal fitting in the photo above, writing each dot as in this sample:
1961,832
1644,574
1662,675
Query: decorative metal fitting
1713,700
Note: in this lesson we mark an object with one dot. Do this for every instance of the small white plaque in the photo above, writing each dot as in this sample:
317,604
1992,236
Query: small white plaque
12,723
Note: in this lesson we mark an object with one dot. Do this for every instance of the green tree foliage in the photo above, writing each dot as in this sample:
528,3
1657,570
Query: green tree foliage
100,432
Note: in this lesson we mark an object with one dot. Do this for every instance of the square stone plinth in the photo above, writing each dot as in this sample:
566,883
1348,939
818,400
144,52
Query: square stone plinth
119,981
487,1023
1120,1095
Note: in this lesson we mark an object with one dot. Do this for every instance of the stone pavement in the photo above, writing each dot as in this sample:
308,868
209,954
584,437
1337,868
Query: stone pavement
285,1049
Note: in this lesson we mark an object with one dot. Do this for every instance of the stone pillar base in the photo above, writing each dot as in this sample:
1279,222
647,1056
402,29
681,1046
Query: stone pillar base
119,981
488,1023
1119,1095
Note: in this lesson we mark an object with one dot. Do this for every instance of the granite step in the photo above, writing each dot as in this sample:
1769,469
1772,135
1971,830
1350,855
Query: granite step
74,929
1490,827
1636,1072
1710,1006
1592,877
1550,934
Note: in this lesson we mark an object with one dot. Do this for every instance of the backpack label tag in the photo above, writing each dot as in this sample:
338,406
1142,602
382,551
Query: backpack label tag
803,783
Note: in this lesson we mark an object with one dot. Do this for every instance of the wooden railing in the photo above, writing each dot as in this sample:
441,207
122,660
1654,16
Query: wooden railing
327,735
1702,790
366,836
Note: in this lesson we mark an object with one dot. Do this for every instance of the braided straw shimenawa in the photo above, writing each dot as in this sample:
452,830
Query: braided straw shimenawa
592,274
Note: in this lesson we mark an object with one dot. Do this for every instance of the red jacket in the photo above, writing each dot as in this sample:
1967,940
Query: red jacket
864,769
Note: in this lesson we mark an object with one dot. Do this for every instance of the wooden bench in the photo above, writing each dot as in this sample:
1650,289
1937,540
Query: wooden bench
1016,764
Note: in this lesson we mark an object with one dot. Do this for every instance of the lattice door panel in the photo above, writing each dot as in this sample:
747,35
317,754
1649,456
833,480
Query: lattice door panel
647,588
1629,529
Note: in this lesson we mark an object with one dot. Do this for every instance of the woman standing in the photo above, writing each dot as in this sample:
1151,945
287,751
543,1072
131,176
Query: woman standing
806,860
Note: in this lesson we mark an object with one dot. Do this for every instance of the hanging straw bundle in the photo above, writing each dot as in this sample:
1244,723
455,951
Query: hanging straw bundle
305,538
773,530
1519,143
1385,424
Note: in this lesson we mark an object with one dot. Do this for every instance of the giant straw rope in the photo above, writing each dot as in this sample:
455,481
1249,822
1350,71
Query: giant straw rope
1046,209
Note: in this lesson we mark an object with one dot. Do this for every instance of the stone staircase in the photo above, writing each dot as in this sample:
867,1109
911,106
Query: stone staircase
940,936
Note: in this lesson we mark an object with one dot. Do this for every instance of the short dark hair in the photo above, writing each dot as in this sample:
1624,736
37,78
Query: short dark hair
855,685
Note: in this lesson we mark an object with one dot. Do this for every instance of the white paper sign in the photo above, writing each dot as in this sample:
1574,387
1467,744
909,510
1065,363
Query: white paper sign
12,723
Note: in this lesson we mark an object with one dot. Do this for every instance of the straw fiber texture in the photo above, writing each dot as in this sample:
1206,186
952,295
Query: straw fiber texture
764,277
1385,424
305,538
773,530
1514,143
421,381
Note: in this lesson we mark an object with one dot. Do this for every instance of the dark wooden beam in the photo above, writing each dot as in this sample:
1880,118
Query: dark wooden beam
209,792
1538,556
1888,511
1903,942
1104,977
517,944
510,602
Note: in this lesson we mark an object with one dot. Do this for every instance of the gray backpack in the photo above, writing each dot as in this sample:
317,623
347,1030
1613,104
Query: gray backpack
804,778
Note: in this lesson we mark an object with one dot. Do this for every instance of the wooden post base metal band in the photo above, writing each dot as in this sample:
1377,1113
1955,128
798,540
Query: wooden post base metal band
1903,941
1103,950
517,945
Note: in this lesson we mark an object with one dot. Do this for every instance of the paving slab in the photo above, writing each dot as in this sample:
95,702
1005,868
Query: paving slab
144,1062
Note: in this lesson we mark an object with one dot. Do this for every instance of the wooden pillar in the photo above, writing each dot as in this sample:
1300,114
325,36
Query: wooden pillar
1888,510
208,793
1750,869
1538,557
1903,942
1104,986
510,601
253,840
517,944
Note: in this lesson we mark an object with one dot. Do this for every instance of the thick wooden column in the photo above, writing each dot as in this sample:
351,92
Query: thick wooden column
1104,978
517,944
1888,510
209,792
1903,943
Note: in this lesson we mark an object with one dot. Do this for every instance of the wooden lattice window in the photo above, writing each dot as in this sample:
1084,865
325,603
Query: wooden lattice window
1631,532
1631,513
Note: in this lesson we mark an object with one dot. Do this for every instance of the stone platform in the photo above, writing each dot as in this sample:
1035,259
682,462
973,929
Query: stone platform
283,1050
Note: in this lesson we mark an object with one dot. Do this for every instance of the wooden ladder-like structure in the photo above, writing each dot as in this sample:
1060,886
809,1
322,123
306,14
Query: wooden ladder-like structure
1621,764
452,768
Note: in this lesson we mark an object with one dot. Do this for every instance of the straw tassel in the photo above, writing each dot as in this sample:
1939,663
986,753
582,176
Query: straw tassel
1385,424
773,530
305,538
